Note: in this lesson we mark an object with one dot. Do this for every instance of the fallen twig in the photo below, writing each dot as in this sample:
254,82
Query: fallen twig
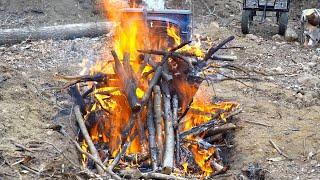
278,149
257,123
153,175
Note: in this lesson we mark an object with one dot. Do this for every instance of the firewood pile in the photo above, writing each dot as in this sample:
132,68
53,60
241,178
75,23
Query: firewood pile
142,120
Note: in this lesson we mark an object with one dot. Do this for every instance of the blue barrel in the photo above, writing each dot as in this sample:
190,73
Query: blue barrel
179,18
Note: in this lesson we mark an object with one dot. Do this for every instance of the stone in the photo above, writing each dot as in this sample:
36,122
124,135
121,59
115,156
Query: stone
277,37
291,35
311,64
314,58
308,80
252,37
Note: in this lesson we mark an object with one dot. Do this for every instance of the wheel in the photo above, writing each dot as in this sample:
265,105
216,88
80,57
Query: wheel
246,20
283,23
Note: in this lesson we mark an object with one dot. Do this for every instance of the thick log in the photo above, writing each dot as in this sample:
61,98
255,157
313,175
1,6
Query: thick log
168,156
158,119
59,32
152,137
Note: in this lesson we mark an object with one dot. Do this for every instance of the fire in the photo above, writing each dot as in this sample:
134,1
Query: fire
172,31
201,111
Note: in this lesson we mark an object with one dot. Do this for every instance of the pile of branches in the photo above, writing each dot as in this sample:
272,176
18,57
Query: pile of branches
162,99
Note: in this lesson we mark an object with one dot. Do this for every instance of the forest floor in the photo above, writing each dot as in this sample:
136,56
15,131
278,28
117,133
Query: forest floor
288,103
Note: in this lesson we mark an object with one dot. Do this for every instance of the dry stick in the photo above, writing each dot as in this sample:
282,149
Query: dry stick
166,53
158,120
23,147
168,157
87,137
218,47
152,175
152,136
257,123
175,106
278,149
97,161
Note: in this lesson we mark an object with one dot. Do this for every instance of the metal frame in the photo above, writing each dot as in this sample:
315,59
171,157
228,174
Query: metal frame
277,6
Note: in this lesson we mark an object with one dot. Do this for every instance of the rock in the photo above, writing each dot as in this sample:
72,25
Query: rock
214,25
277,69
291,35
311,64
299,96
309,80
252,37
277,37
314,58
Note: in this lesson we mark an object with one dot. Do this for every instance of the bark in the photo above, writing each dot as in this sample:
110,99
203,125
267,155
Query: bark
168,157
152,137
59,32
158,120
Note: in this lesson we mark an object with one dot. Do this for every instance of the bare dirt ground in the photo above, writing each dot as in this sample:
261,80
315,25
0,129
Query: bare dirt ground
288,104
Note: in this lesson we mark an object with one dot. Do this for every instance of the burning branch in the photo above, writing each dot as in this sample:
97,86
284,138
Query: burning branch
128,81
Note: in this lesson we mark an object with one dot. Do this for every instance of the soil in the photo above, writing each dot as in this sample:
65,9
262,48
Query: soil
287,102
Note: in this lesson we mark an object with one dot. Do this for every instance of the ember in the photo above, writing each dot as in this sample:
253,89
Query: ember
140,108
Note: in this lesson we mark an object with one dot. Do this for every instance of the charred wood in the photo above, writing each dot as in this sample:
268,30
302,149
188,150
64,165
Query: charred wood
214,139
128,83
221,129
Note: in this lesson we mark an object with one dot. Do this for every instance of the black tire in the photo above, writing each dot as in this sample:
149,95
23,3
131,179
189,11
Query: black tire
283,23
246,20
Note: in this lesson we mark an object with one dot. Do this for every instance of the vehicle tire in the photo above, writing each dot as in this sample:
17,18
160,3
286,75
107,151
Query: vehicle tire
246,20
283,23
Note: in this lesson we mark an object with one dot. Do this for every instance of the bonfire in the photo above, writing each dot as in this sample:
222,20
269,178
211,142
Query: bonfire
137,108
